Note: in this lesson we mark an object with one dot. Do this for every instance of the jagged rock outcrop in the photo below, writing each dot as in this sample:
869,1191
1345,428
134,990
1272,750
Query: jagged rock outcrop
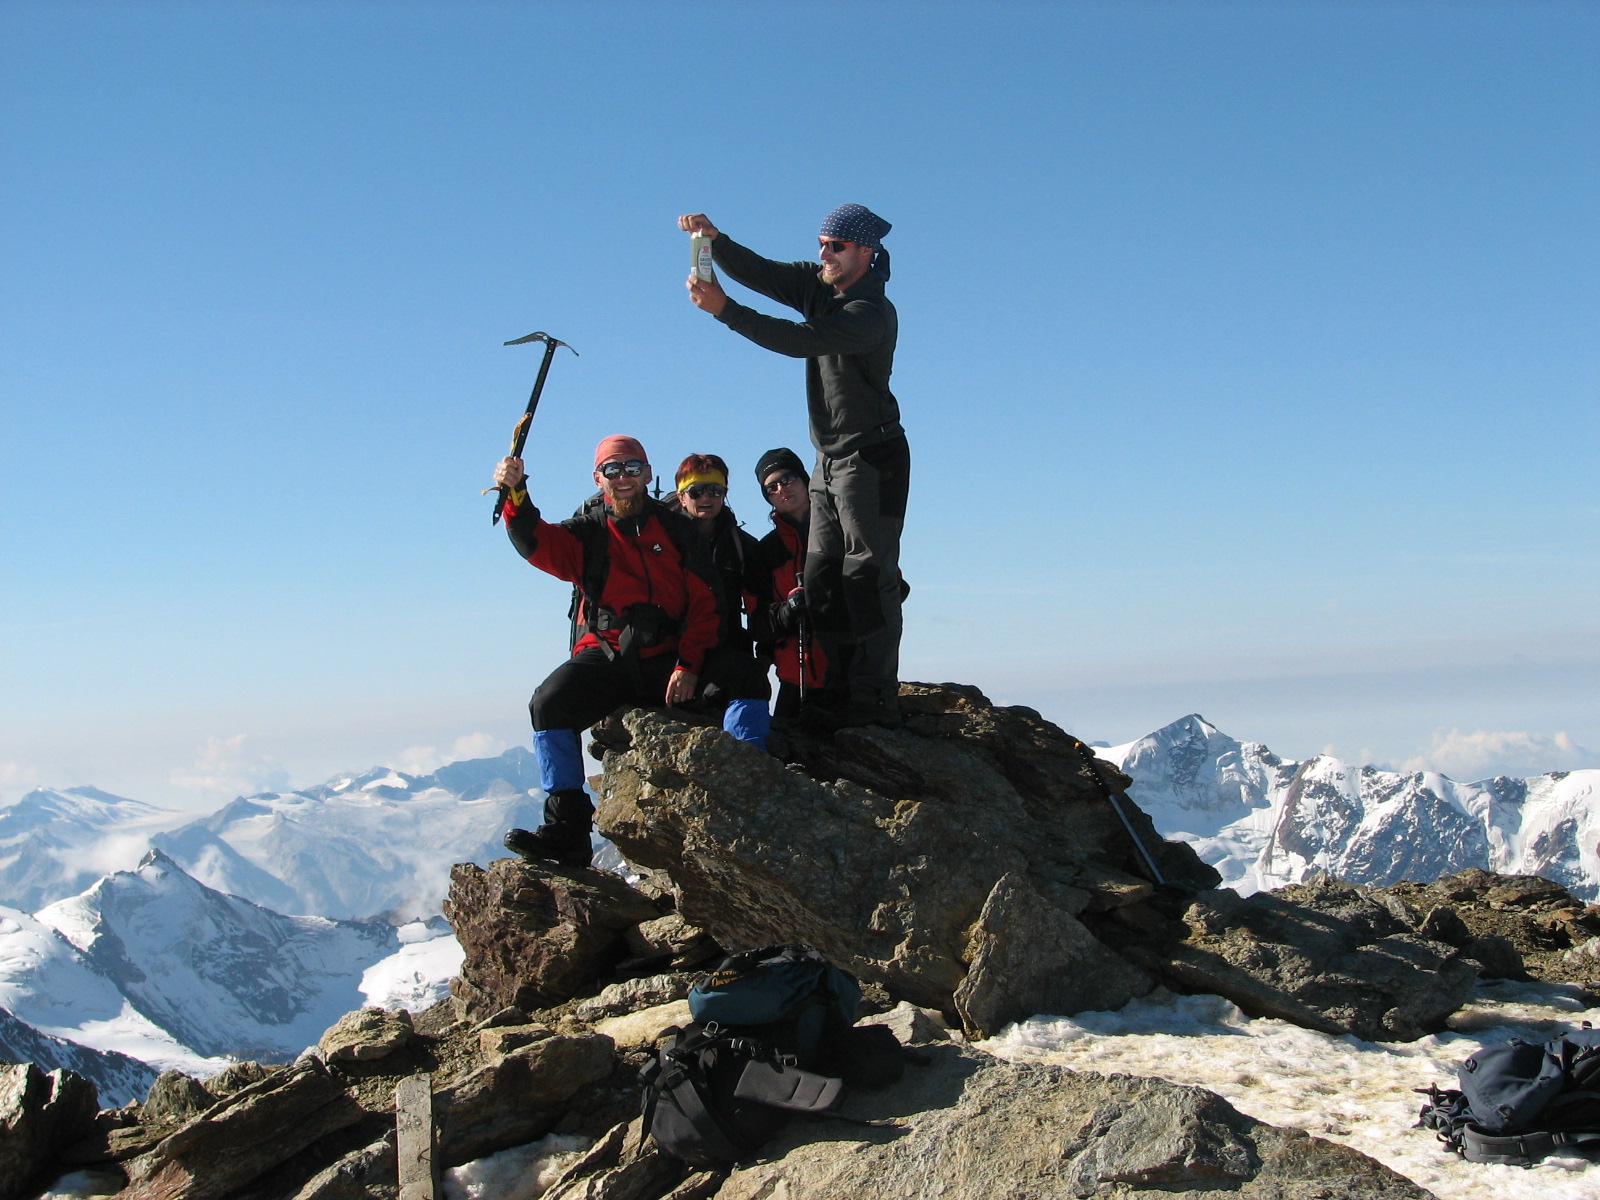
41,1113
1326,956
888,850
244,1136
1512,926
973,863
970,864
532,937
323,1128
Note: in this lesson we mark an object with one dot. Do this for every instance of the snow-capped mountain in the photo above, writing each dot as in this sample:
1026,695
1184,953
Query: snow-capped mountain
134,962
1265,822
48,985
223,976
362,847
149,969
54,844
359,847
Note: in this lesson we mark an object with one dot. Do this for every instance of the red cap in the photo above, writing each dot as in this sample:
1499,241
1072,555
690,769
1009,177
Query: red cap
618,446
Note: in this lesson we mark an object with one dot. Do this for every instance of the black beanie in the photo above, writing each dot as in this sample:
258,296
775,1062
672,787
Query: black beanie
781,459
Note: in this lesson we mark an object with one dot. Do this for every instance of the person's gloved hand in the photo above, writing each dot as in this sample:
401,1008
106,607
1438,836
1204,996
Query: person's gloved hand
790,612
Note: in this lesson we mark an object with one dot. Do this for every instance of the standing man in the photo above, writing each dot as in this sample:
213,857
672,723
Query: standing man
863,471
649,616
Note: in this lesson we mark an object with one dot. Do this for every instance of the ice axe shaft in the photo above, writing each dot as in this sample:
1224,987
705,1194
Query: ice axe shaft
800,653
519,435
1111,798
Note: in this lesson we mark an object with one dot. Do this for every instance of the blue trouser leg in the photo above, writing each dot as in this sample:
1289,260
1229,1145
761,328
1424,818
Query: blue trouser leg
749,721
560,758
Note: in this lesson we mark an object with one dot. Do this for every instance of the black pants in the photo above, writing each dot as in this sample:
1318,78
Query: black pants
588,686
852,579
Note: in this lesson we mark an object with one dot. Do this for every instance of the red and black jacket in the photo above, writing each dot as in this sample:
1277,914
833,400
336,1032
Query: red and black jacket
655,558
784,552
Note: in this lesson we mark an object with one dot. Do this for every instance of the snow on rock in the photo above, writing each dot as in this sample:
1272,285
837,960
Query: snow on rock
1341,1088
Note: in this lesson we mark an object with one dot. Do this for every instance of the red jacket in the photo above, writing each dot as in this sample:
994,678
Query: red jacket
785,550
643,566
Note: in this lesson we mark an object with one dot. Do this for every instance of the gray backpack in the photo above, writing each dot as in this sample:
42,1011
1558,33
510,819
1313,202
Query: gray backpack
1518,1101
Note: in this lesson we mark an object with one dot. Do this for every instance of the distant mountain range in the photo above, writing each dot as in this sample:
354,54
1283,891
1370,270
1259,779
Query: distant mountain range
156,939
373,846
1265,822
151,965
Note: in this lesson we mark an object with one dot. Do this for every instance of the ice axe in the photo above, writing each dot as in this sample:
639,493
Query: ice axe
1089,757
519,435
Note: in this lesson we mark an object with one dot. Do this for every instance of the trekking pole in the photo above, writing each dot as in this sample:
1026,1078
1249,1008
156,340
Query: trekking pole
1089,757
519,435
800,651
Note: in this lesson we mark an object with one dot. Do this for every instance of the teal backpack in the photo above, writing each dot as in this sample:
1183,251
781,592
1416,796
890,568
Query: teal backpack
772,1036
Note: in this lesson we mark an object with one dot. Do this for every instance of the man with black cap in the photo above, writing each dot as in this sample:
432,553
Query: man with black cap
649,615
783,627
863,470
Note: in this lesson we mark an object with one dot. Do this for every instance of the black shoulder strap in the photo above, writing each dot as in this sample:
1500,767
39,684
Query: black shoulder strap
1520,1150
680,1075
589,527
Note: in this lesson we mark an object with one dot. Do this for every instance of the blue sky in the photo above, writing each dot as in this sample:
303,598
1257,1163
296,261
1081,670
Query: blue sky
1248,355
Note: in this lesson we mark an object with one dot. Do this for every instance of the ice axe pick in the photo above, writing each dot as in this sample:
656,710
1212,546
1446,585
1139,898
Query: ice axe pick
519,435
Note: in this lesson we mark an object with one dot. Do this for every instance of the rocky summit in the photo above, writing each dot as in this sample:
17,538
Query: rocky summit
973,868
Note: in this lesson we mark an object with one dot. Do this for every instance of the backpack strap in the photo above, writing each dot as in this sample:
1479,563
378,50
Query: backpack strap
684,1080
1519,1150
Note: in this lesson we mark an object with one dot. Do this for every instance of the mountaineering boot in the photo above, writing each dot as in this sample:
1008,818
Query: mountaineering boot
564,836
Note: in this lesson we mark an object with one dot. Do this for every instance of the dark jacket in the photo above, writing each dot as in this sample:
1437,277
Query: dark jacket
744,588
847,341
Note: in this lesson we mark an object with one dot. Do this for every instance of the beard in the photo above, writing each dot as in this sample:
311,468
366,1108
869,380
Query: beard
631,507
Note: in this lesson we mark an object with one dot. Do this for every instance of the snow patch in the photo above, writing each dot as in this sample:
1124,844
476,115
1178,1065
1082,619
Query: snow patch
1360,1094
520,1173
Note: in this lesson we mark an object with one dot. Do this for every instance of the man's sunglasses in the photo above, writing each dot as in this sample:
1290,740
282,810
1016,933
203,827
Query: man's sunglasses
778,484
613,469
715,490
836,247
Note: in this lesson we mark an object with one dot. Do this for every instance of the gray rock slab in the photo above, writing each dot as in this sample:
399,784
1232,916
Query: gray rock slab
969,1127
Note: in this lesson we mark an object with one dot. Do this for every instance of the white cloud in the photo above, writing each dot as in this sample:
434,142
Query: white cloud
109,854
424,760
227,767
1484,753
16,779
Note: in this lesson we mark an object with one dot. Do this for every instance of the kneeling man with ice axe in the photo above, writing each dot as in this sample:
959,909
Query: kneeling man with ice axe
649,617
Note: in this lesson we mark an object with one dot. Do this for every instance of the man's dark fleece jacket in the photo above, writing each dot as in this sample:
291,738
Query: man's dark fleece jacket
847,342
